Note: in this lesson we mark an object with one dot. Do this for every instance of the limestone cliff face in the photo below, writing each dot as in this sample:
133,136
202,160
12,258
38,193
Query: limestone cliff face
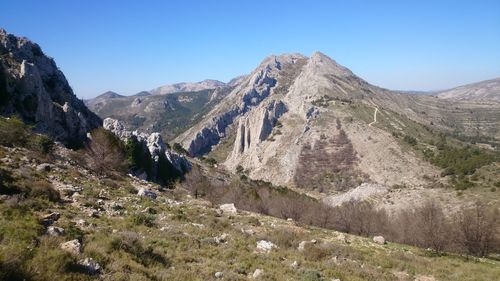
33,88
255,127
249,93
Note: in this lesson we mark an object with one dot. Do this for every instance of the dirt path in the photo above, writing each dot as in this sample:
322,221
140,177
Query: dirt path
374,116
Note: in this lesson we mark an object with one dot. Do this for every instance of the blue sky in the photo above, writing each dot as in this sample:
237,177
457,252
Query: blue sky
129,46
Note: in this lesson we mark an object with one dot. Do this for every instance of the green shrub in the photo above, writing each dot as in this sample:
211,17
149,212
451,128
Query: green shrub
13,132
410,140
178,148
143,219
42,144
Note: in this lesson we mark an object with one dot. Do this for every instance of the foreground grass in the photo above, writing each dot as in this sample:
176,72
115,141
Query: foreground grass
172,238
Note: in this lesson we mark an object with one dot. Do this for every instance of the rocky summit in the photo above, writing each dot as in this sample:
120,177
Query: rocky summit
33,87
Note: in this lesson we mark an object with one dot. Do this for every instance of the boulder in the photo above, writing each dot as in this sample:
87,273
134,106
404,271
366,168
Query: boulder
45,167
73,247
218,274
228,209
89,265
257,273
146,193
264,246
379,240
55,231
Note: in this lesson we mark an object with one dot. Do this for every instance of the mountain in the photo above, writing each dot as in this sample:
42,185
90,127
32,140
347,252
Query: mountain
484,90
188,87
33,88
168,114
310,123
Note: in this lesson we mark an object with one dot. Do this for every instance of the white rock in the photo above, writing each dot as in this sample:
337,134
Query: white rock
257,273
55,231
218,274
302,245
379,240
146,193
228,209
264,246
72,247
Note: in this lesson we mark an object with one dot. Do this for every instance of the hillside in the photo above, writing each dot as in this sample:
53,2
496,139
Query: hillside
81,226
484,90
168,114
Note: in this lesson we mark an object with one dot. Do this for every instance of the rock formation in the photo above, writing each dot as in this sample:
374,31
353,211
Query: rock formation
32,87
153,143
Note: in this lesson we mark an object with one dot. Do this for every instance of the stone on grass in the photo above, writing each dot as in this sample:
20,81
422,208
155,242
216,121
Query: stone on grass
55,231
379,240
257,273
146,193
72,247
90,266
45,167
264,246
218,274
228,209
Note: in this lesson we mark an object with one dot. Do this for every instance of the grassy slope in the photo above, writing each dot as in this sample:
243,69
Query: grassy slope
171,238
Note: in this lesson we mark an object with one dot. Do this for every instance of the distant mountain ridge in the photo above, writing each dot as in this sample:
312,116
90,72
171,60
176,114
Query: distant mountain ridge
484,90
188,87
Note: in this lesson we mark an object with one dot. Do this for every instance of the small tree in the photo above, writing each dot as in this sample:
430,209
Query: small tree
431,227
478,229
105,154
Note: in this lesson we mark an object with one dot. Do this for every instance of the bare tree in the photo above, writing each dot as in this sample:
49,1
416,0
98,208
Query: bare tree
432,228
478,229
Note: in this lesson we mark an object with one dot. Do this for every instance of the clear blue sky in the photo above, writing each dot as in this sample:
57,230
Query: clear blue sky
129,46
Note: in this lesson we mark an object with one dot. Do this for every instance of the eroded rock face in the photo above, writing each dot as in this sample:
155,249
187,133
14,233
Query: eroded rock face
153,143
256,127
33,87
247,95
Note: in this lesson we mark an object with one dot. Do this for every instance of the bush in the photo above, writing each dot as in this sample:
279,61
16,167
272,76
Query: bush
410,140
143,219
13,132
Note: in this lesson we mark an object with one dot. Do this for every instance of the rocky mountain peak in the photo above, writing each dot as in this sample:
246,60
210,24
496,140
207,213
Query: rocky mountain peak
33,87
328,65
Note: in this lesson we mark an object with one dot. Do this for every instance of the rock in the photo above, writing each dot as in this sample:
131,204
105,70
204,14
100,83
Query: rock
146,193
264,246
379,240
228,209
295,264
55,231
50,218
89,265
81,223
221,239
153,143
72,247
218,275
257,273
45,167
39,93
302,246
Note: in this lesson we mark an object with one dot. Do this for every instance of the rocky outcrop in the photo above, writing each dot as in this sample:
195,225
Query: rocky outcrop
257,126
32,87
246,95
153,144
